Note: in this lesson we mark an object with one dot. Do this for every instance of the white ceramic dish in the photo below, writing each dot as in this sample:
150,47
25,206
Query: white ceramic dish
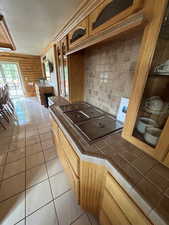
144,123
152,135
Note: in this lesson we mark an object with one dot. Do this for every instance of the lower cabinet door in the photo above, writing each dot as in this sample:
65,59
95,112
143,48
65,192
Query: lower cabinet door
104,219
114,214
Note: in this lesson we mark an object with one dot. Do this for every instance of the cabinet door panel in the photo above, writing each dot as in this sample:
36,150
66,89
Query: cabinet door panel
79,33
112,210
133,213
111,11
70,153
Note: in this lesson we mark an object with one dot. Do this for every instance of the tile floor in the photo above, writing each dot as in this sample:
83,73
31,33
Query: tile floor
34,189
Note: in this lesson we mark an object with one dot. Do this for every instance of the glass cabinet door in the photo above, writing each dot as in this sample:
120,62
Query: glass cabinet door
154,107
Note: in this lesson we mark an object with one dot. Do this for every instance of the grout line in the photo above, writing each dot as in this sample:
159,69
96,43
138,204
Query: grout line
89,218
12,196
77,218
50,186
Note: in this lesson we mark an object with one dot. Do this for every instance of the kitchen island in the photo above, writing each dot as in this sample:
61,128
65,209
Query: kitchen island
111,175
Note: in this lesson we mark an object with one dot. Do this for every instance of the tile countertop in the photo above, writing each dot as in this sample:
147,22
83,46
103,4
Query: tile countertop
143,178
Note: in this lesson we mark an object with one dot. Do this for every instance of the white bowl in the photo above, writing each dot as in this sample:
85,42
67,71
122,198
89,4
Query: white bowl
152,135
144,123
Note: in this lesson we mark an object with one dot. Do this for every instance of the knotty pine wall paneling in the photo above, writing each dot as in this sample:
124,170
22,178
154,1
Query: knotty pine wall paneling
30,68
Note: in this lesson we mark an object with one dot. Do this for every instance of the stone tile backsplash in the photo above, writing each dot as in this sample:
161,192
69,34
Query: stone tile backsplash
109,72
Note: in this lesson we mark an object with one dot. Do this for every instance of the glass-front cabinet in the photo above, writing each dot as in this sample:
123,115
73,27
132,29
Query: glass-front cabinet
147,121
62,64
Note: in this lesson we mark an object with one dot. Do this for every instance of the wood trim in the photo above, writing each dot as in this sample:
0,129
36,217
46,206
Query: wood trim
154,10
132,22
5,32
83,25
92,177
138,4
125,203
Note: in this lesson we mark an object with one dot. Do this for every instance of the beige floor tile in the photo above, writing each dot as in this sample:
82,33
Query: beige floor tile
44,130
36,175
12,210
23,222
15,155
14,168
93,220
47,144
34,160
37,196
33,140
67,208
32,149
51,154
54,166
82,220
12,186
3,158
45,215
46,136
59,184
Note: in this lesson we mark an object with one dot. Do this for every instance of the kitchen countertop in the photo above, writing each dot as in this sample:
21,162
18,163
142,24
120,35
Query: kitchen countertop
145,179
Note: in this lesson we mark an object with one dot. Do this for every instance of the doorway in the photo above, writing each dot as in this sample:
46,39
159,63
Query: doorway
10,75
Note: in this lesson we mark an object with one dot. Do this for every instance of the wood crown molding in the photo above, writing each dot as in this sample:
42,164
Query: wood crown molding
85,8
5,36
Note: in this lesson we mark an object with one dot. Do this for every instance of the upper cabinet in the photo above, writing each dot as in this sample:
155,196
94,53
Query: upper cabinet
147,121
70,72
110,12
79,33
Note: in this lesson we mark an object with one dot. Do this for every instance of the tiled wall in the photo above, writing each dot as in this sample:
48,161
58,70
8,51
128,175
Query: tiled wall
109,72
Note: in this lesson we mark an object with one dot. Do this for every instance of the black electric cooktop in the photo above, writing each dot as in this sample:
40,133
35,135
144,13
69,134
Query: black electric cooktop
92,122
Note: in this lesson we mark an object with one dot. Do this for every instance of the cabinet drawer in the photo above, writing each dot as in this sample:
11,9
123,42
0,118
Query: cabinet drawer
113,212
79,33
70,153
128,207
110,12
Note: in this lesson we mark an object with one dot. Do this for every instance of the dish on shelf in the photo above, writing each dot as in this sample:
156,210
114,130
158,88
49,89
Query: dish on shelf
154,103
152,135
143,123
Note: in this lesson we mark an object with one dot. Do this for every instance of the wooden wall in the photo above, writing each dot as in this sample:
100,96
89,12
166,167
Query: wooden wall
30,67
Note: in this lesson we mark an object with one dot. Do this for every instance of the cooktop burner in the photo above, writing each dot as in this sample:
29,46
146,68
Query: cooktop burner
73,107
84,114
99,127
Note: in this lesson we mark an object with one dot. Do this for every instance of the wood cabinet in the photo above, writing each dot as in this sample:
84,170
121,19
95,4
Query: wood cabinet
147,121
110,12
79,33
68,158
96,190
118,208
62,68
70,72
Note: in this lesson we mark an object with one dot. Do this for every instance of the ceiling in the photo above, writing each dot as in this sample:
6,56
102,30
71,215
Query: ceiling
32,23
